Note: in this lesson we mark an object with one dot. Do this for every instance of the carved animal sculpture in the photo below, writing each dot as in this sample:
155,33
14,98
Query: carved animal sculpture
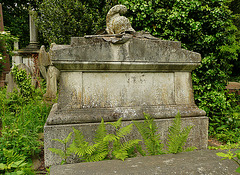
117,24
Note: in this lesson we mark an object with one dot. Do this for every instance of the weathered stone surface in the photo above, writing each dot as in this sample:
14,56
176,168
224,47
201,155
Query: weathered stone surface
52,77
43,61
128,113
118,24
16,58
138,54
158,94
198,136
202,162
11,85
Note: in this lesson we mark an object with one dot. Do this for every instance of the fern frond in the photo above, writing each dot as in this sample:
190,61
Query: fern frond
148,130
120,154
102,146
116,124
140,150
67,139
110,138
59,140
78,149
124,131
192,148
79,145
154,146
78,137
142,129
100,133
129,144
59,152
176,126
176,137
91,148
97,157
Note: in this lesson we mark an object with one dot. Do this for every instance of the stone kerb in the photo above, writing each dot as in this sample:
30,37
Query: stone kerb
101,77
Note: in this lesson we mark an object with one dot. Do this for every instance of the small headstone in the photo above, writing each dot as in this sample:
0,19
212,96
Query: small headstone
10,79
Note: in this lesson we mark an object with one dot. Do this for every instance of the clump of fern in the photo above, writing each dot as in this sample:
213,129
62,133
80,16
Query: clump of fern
65,153
177,137
148,130
90,152
105,145
115,145
121,148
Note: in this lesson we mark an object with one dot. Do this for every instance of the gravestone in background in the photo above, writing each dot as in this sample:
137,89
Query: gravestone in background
6,61
29,54
122,75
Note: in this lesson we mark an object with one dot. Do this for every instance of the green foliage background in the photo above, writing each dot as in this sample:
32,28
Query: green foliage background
208,27
203,26
16,18
6,46
23,114
59,20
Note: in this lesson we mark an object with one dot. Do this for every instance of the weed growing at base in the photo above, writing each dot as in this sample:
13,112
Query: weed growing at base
23,115
116,145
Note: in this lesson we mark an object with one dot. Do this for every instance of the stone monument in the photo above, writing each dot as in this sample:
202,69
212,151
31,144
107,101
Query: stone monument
49,72
30,53
122,74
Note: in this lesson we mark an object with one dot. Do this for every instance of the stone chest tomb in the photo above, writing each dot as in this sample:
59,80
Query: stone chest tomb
122,75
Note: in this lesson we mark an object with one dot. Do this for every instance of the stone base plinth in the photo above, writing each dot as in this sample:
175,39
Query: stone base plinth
198,136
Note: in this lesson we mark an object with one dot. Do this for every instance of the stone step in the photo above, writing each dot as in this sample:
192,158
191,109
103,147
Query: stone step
204,162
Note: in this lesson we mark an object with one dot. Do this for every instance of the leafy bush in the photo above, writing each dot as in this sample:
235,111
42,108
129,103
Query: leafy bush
202,26
16,18
61,19
6,46
23,117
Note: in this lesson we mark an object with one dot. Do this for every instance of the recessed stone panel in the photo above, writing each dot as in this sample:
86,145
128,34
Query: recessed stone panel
183,88
109,90
70,92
